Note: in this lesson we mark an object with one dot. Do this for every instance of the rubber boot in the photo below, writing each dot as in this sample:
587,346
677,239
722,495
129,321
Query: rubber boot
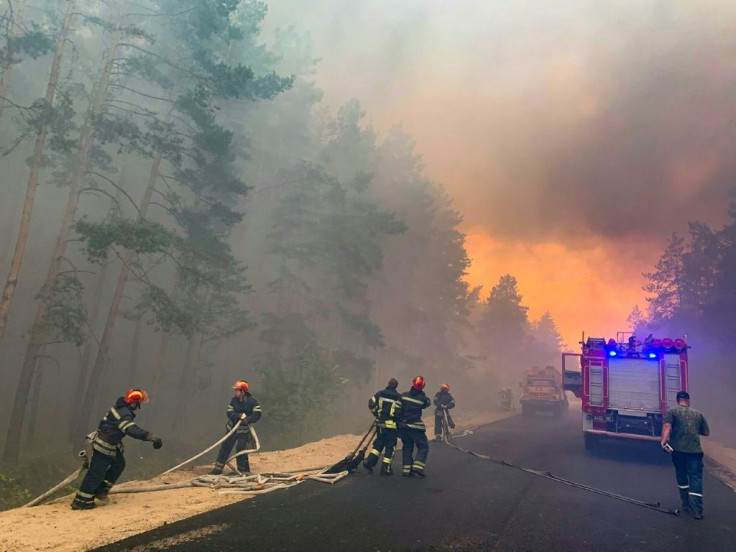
386,469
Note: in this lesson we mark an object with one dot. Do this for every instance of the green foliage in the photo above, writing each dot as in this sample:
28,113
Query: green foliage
65,318
299,378
138,236
12,494
33,43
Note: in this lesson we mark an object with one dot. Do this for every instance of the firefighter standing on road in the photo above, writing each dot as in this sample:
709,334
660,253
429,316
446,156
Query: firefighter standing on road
386,407
683,427
243,407
107,462
444,402
412,429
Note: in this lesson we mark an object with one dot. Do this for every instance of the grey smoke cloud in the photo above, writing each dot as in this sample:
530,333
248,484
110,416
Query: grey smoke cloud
546,120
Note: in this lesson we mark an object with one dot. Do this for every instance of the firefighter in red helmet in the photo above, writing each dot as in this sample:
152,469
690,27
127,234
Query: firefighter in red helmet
107,462
244,407
443,402
413,432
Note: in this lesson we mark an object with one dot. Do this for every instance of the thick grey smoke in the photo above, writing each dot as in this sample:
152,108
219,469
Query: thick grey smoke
547,120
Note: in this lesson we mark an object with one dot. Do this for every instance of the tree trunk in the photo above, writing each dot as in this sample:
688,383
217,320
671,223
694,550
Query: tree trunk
74,427
33,404
135,350
7,69
38,334
25,219
101,361
184,388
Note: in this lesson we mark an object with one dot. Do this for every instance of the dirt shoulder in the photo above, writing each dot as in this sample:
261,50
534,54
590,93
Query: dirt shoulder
55,527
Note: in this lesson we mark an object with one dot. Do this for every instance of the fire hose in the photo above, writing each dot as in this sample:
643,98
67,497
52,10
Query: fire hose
241,484
547,475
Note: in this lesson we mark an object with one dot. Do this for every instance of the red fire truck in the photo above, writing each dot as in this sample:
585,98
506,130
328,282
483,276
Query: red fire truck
625,385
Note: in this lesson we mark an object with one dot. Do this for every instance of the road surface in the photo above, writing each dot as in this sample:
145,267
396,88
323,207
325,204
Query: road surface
467,504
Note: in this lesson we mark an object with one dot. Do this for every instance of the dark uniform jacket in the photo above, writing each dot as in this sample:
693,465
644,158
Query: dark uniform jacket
386,407
412,404
249,406
443,397
116,424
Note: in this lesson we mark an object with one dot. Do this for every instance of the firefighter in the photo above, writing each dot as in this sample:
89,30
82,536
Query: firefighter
683,427
412,429
386,407
107,462
244,407
444,402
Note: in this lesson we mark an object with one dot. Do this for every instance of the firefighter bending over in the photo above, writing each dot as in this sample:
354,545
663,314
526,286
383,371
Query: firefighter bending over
412,429
244,407
107,462
444,402
386,407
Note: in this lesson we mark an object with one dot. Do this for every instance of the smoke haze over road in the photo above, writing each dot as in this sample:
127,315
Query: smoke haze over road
573,136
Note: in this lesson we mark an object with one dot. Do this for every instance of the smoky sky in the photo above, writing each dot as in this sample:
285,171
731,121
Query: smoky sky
562,121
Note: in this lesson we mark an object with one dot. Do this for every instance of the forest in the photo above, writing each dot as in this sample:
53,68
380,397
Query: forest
181,209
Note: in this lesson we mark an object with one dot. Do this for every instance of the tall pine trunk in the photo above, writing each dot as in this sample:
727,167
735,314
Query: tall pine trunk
38,331
7,69
191,360
101,361
36,161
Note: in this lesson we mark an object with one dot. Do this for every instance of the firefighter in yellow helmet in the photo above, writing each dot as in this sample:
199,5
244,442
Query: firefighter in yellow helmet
244,407
107,462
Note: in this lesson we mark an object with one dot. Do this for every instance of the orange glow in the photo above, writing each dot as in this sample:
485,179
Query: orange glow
584,290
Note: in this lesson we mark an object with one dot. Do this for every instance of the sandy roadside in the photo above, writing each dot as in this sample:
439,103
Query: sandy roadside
55,527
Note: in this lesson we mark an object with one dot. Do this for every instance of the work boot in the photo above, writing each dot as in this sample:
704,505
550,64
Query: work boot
76,505
386,469
452,425
438,437
420,473
698,516
216,471
102,496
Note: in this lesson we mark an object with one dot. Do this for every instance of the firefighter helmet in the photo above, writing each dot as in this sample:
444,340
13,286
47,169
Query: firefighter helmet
418,383
136,395
444,387
242,385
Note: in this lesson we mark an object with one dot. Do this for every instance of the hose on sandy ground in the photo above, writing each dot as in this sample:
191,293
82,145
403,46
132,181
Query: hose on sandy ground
71,477
228,462
547,475
205,451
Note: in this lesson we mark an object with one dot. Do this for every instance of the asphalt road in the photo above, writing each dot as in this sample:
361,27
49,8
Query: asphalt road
467,504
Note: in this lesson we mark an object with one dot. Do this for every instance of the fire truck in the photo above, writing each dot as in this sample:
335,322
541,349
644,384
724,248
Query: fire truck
541,391
625,386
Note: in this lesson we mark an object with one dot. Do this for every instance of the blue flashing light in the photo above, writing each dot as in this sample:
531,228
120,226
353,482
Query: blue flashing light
652,355
612,353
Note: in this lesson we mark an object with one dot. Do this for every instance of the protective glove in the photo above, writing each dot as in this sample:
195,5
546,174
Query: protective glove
157,442
243,416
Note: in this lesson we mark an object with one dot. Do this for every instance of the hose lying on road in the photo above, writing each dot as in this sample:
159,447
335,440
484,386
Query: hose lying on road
547,475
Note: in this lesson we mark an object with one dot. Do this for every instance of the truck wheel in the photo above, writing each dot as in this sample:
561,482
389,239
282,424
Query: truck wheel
591,442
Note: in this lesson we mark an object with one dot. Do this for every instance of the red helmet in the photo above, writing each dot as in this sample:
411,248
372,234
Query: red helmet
445,387
418,383
136,395
242,385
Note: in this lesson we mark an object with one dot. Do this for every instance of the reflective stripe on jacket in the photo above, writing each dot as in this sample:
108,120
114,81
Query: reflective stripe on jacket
412,404
248,406
386,407
117,423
